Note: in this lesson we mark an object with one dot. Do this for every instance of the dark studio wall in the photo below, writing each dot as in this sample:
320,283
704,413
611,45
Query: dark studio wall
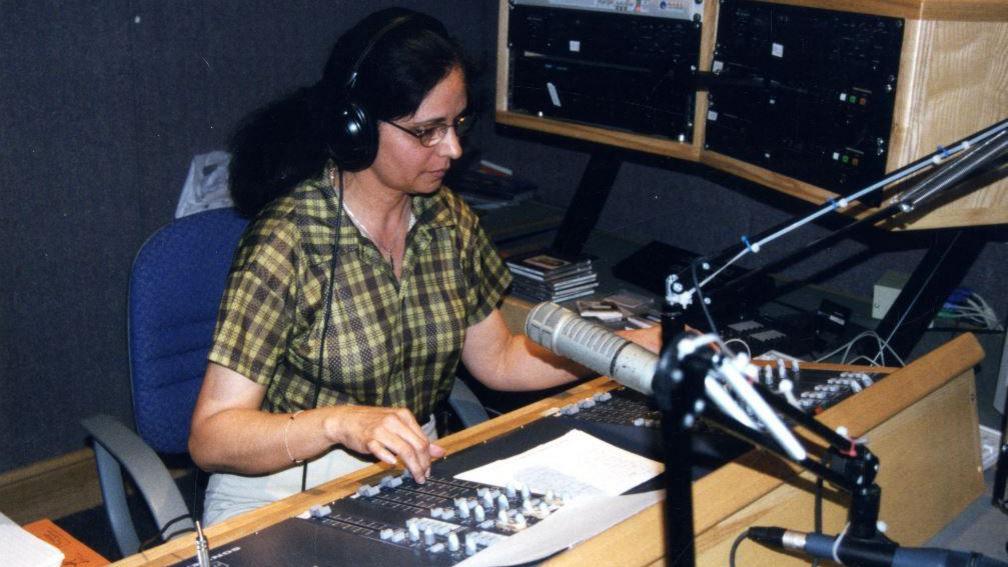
102,106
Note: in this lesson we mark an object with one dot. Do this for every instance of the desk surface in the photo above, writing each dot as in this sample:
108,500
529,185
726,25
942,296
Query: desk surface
899,413
794,301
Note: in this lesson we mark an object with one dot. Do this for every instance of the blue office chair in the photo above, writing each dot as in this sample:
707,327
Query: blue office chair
176,284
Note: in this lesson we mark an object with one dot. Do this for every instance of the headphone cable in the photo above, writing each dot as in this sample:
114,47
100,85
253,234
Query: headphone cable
328,309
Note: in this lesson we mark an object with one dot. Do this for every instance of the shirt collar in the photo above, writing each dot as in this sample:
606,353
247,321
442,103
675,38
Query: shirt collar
430,210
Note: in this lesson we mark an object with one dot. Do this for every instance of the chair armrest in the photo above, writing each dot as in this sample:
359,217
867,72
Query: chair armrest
117,447
466,405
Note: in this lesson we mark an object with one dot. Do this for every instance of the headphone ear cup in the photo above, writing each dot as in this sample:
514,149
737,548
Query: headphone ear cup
353,136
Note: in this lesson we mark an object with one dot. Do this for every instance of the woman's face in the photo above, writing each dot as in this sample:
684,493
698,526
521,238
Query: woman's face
402,163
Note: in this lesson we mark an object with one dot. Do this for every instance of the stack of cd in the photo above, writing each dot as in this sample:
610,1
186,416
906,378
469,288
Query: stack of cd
547,276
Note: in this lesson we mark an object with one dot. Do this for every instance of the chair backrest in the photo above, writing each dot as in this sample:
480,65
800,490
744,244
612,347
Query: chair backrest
176,284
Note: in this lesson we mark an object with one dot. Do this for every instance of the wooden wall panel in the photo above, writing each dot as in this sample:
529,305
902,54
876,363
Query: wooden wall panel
955,83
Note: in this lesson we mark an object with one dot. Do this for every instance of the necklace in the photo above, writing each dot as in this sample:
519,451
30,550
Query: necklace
385,250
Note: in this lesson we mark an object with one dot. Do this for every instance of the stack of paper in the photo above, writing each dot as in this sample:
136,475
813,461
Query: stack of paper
22,549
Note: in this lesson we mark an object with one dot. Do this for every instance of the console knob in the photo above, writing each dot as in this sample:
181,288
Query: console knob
519,521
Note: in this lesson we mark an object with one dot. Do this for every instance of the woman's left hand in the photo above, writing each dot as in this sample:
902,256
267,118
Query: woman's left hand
649,338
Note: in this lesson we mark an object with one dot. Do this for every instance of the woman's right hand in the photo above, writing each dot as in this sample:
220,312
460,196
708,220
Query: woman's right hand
231,433
390,434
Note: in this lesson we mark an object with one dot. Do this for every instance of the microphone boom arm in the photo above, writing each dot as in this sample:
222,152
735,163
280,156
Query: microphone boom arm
687,374
955,162
679,393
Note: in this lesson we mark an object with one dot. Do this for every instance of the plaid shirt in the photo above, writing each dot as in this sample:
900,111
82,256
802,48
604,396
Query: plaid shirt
393,343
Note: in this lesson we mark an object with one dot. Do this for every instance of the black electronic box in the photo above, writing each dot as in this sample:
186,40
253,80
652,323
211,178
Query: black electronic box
621,65
805,92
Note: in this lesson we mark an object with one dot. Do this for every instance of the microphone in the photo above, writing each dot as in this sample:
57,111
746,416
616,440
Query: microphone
589,344
851,551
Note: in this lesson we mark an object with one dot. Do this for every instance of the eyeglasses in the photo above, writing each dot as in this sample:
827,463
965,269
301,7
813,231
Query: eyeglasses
430,136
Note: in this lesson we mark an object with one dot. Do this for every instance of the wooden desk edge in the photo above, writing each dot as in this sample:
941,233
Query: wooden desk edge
874,405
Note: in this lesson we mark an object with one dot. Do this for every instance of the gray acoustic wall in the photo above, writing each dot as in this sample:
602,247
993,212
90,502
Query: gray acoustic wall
102,106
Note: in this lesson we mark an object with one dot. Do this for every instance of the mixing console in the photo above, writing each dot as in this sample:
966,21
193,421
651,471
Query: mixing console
396,521
443,518
814,390
810,390
393,520
626,407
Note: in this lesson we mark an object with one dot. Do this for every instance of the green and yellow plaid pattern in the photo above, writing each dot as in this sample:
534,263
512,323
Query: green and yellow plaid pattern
393,343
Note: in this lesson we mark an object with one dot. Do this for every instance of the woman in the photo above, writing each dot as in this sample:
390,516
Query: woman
361,282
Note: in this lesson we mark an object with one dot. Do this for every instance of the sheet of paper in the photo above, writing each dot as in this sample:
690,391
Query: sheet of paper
576,465
564,528
22,549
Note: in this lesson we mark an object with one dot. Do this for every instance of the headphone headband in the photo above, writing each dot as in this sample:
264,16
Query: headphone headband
352,75
353,137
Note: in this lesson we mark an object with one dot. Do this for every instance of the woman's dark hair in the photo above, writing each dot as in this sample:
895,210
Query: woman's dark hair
288,141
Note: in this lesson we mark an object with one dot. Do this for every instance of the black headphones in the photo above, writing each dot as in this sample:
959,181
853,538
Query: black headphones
354,133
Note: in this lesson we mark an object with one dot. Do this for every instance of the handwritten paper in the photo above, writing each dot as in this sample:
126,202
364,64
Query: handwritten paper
576,465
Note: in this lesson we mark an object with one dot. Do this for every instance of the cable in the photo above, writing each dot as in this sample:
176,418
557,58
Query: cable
734,547
328,309
817,511
972,308
703,306
867,360
883,346
878,359
989,313
846,346
747,349
197,493
160,535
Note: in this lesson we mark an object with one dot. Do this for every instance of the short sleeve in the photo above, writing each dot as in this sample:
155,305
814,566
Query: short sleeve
256,312
488,276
